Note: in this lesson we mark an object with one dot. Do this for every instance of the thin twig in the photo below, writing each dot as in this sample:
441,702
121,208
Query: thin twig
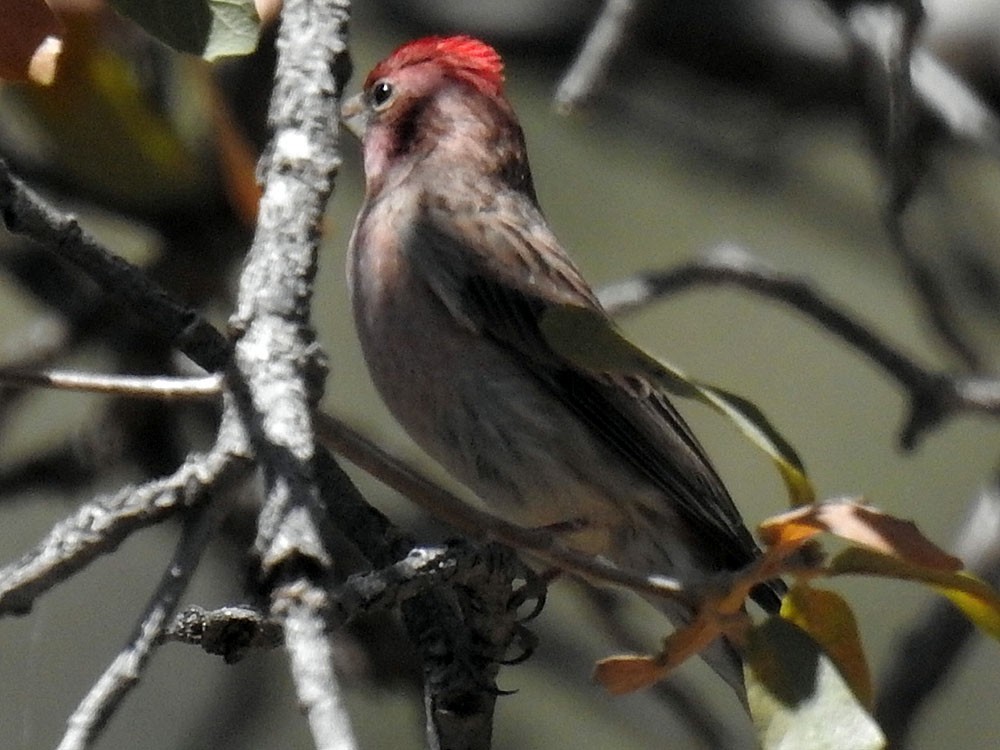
882,38
90,717
162,387
99,526
26,213
933,396
602,44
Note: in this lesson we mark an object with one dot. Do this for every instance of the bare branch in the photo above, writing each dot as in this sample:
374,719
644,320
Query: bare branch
300,607
933,396
99,526
135,386
592,62
883,38
229,632
90,717
371,532
26,213
278,369
462,634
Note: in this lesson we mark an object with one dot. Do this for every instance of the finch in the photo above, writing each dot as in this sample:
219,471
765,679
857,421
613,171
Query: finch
450,267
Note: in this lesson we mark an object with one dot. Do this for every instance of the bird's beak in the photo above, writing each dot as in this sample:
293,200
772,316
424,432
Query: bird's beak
354,116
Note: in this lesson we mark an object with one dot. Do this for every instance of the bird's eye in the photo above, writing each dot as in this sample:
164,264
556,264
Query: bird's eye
381,94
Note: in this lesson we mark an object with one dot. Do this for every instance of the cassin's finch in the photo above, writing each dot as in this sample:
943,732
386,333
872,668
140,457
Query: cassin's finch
451,265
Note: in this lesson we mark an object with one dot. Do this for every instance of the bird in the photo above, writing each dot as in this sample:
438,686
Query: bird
451,266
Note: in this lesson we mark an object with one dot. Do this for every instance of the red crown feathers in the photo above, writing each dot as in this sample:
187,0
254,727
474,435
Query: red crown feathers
464,57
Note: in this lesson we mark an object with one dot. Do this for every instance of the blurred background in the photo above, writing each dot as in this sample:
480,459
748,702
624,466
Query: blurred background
719,122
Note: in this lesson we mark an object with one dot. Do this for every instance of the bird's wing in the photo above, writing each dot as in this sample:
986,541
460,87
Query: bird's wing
492,276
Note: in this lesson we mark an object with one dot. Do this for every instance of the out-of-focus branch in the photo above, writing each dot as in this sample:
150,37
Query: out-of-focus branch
883,38
90,717
953,103
606,37
135,386
933,396
26,213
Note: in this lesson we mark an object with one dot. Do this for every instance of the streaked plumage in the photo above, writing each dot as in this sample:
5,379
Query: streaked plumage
451,264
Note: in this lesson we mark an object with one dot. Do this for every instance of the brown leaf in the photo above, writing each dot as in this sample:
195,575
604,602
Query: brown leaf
30,42
828,620
620,675
626,674
862,525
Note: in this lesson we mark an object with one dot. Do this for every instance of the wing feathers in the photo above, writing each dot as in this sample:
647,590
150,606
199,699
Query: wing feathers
501,294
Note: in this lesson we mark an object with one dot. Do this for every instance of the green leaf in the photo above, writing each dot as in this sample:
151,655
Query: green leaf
798,698
209,28
107,135
590,340
973,596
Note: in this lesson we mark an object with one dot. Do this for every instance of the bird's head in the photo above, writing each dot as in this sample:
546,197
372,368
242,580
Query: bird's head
440,98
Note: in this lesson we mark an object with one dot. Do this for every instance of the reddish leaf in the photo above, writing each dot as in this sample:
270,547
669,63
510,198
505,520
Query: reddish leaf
863,525
30,42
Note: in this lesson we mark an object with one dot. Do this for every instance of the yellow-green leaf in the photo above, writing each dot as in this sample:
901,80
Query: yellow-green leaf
105,132
827,618
590,340
798,698
973,596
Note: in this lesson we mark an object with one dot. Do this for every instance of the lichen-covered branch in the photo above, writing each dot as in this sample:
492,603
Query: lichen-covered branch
277,370
100,525
124,672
